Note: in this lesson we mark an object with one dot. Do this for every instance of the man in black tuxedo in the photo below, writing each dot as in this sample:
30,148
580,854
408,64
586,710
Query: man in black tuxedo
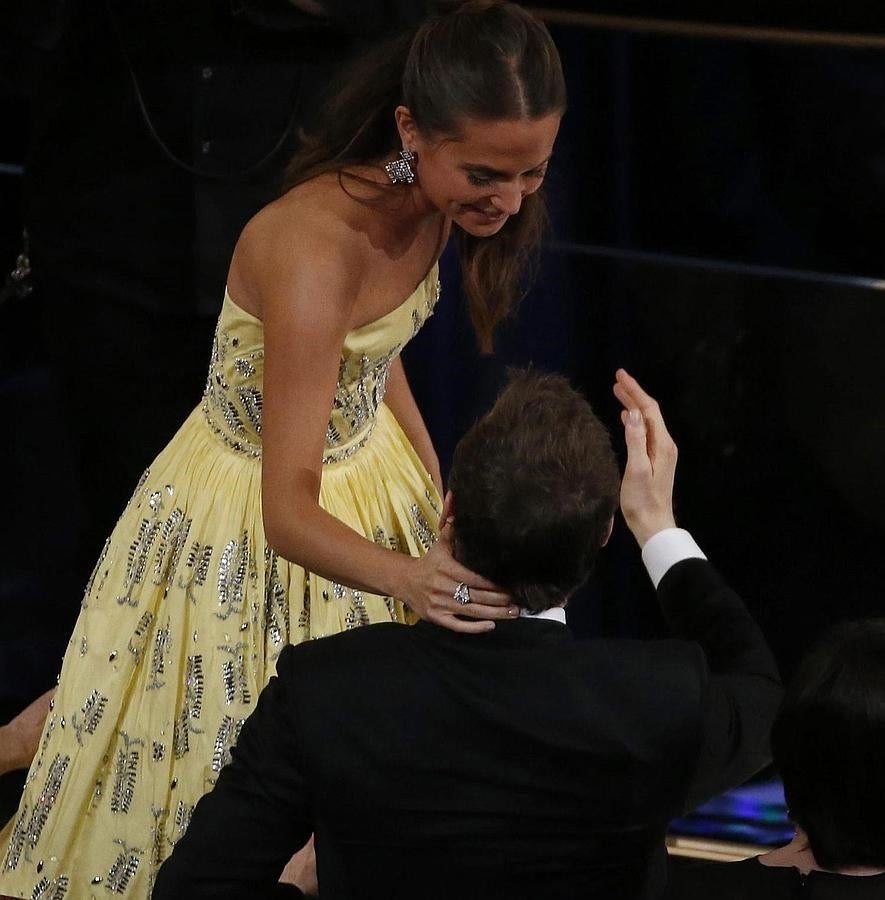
516,763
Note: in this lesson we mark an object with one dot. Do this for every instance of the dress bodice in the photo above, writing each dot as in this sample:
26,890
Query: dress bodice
233,399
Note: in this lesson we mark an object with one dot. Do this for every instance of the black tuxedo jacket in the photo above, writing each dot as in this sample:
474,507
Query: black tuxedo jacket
517,763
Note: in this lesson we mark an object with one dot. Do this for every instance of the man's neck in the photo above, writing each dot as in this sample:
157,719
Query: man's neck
554,614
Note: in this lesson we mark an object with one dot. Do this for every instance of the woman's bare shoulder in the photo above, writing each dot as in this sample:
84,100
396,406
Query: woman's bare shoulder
311,216
305,233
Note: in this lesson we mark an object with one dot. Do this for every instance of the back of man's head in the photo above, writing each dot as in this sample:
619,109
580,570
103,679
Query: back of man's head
828,742
535,485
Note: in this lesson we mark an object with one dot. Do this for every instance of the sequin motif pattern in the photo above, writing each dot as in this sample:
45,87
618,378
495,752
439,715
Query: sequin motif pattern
88,718
233,569
276,601
140,636
198,559
51,890
162,646
228,732
124,868
96,573
29,833
234,680
422,530
125,773
223,405
183,814
362,384
233,399
17,841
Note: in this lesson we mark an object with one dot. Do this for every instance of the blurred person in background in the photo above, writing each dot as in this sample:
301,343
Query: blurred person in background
828,742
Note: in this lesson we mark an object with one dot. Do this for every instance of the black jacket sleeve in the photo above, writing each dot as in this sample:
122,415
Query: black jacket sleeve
244,831
742,690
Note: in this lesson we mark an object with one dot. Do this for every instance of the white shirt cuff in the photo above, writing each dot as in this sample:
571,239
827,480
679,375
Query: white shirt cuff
665,549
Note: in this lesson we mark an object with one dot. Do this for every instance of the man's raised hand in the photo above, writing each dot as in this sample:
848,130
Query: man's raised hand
647,486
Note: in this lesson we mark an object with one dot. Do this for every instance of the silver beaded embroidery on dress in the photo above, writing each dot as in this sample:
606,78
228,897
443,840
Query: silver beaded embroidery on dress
233,401
188,608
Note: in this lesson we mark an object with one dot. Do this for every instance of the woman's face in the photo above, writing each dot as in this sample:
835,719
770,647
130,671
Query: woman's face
479,176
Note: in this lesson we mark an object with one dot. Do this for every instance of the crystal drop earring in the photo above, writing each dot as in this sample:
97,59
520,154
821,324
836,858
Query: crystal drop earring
400,170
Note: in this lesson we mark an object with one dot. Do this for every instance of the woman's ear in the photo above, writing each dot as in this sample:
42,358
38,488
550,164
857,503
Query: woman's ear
406,126
608,531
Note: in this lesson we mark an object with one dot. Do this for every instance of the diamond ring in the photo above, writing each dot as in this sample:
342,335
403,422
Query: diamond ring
462,594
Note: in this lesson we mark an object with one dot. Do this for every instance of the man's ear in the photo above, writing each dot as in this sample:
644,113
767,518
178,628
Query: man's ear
448,510
608,531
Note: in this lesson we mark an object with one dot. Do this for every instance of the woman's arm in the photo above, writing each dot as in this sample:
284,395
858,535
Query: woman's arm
307,295
402,404
20,738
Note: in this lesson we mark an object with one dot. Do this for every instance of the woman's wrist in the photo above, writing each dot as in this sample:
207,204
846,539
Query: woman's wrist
402,577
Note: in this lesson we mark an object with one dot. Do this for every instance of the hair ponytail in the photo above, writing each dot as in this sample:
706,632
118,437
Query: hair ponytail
366,94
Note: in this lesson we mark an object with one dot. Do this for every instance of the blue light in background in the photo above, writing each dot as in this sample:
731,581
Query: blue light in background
753,813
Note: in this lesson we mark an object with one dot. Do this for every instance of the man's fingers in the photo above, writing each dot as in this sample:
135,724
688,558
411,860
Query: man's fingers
626,398
626,386
632,396
658,439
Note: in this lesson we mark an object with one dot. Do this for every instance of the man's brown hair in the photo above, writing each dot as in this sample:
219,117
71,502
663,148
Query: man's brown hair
535,483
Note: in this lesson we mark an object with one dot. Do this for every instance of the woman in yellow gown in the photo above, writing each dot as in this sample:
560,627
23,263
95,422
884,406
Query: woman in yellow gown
301,496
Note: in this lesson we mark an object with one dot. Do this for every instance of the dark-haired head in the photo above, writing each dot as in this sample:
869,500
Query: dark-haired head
535,485
484,62
828,742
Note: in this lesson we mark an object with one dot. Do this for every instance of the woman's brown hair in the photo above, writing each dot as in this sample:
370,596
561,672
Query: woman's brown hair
483,61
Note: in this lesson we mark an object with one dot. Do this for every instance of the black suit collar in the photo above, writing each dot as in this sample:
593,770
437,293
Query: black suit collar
513,632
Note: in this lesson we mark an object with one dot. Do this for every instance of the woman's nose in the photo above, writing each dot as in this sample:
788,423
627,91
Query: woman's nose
508,199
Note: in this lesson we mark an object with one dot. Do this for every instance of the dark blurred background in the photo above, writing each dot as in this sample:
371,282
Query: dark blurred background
718,210
718,200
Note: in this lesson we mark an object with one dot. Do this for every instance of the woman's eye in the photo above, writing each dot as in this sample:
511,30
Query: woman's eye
478,180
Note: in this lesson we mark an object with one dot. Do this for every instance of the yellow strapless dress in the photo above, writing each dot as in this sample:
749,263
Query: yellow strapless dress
188,608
